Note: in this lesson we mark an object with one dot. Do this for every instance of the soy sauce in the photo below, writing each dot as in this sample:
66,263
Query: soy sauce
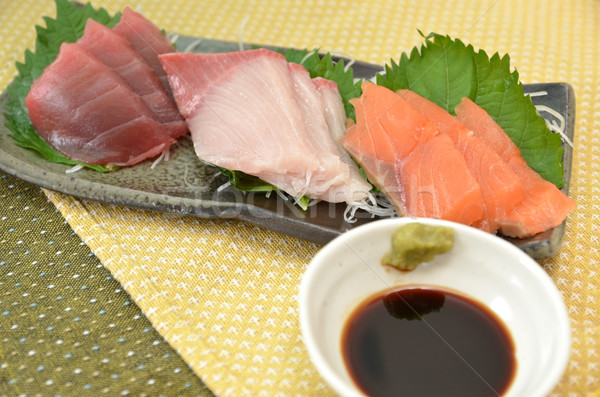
428,342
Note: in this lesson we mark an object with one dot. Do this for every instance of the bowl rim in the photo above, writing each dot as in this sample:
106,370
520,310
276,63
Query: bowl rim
561,325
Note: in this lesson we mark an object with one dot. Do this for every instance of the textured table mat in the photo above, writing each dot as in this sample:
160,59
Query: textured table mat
67,327
223,292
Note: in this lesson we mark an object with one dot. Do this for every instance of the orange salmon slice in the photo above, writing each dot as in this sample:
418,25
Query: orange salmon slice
401,153
438,183
544,206
387,127
501,188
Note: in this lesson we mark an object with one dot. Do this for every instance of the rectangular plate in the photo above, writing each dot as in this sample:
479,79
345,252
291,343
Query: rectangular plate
186,185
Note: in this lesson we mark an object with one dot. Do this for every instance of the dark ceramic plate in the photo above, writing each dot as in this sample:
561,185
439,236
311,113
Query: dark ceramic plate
185,185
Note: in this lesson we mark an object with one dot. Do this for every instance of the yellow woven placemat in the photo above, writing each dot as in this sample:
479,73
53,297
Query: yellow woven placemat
223,292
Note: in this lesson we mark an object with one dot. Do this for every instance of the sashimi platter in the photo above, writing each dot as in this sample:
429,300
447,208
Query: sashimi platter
304,142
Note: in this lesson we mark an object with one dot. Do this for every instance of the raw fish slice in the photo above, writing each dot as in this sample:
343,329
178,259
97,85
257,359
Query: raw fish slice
380,138
114,146
71,113
542,209
335,116
387,133
116,53
439,184
444,121
382,174
545,206
501,188
388,128
243,115
478,120
334,173
147,39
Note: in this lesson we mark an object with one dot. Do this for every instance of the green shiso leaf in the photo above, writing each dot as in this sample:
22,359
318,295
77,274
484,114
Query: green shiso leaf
444,70
66,27
501,95
249,183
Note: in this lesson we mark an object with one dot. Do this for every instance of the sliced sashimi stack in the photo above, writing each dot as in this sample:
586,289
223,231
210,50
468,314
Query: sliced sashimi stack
101,101
93,116
405,156
502,190
465,168
254,112
135,70
544,206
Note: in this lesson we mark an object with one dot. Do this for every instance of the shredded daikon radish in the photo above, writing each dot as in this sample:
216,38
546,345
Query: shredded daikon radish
75,168
241,35
164,156
158,160
376,205
223,186
373,79
349,213
308,55
192,45
351,60
553,125
282,195
313,202
537,93
172,37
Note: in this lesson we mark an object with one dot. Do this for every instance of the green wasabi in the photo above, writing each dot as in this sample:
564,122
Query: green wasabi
415,243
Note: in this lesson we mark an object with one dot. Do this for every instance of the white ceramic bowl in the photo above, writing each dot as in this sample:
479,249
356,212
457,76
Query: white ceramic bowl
348,270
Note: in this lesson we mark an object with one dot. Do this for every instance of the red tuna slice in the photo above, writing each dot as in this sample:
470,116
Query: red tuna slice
147,39
438,183
501,188
243,115
116,52
387,132
93,116
545,206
